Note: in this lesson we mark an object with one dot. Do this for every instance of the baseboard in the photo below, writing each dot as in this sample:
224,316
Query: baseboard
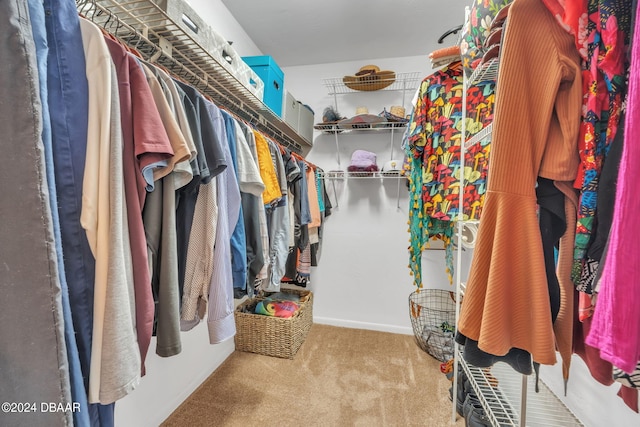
170,381
363,325
214,363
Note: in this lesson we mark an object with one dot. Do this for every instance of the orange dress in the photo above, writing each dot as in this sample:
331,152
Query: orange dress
535,133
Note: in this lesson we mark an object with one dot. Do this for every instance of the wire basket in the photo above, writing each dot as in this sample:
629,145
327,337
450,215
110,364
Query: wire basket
433,318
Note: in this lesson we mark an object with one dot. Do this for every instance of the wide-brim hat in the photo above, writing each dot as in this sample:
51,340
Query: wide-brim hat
361,121
370,78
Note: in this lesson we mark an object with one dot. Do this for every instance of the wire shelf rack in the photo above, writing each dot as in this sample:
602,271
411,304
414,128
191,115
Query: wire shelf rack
337,127
402,82
340,174
145,27
500,392
486,71
484,133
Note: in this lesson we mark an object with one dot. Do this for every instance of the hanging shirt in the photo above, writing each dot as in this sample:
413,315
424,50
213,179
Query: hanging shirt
178,142
201,245
160,226
476,30
278,222
435,137
250,135
434,149
314,205
248,171
146,151
183,169
238,238
220,318
160,229
607,38
115,355
616,325
199,256
208,163
251,188
267,170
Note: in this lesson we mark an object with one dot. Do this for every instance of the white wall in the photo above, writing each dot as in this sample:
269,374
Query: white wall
595,404
363,278
216,14
169,381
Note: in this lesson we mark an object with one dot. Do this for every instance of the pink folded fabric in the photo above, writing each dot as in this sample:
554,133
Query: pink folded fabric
363,160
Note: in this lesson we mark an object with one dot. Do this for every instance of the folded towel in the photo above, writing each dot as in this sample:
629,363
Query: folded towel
444,52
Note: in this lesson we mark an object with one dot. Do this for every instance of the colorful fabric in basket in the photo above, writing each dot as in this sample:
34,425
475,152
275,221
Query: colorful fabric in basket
275,308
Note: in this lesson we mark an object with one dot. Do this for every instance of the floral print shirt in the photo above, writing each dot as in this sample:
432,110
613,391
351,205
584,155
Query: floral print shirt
602,38
476,30
433,149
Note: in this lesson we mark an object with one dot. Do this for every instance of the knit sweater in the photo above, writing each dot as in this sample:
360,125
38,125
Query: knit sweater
535,131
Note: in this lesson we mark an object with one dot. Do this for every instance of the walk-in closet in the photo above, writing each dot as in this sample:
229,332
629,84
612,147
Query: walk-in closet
347,213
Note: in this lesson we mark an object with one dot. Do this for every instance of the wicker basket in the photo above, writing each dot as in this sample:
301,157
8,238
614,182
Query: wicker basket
273,336
433,318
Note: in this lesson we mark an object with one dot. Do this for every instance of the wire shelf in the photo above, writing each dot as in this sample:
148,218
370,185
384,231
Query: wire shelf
145,27
501,401
361,175
487,71
463,288
480,136
402,82
337,127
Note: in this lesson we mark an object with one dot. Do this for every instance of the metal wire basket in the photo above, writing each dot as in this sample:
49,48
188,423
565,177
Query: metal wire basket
433,318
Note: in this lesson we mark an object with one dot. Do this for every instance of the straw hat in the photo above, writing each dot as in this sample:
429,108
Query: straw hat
368,69
397,111
370,78
395,115
361,120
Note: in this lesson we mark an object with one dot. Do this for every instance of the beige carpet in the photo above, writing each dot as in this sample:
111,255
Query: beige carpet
340,377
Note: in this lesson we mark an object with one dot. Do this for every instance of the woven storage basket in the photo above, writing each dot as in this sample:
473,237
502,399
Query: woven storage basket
433,318
273,336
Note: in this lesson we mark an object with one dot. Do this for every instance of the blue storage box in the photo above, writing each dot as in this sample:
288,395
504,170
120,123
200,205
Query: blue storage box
272,76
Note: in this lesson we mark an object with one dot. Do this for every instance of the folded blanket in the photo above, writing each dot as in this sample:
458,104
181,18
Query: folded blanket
363,160
371,168
445,52
269,307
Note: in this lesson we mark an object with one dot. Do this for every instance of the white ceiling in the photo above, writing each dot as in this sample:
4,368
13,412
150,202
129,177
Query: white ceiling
303,32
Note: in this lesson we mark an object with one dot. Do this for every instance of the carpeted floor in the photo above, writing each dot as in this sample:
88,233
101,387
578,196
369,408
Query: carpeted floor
340,377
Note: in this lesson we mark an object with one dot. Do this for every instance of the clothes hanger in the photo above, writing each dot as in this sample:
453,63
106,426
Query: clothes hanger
111,28
447,33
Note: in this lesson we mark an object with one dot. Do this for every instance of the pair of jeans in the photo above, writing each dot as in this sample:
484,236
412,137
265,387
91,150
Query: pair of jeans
33,359
68,106
78,392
